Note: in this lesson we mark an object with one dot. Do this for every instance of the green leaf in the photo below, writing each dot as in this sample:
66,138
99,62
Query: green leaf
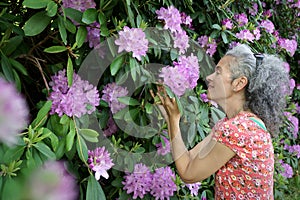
191,132
42,114
12,45
116,65
54,141
94,190
70,26
36,24
18,66
81,36
89,135
216,26
70,71
70,136
14,153
55,49
51,9
224,37
62,29
102,18
82,149
89,16
44,149
6,68
73,14
128,101
36,4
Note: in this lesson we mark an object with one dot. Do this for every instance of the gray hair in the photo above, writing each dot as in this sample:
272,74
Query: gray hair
268,84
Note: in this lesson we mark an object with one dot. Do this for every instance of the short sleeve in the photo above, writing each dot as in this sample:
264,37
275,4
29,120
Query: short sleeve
234,135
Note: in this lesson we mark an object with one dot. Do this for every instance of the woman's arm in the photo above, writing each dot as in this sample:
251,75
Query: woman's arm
192,168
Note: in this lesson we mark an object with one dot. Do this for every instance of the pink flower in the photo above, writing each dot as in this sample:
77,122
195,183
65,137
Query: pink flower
99,161
111,92
78,99
163,148
289,45
139,181
181,41
13,112
133,40
268,26
227,23
171,17
245,35
52,181
241,19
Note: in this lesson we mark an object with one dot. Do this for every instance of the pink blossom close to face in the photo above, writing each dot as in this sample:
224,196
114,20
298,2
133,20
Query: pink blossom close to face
171,17
227,23
133,40
52,181
111,92
241,19
245,35
13,113
182,76
268,26
78,99
99,161
139,181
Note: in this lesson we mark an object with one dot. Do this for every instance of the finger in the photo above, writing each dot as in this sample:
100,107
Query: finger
152,94
161,98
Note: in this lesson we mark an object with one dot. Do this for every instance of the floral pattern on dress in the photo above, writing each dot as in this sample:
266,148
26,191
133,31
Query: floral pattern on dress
249,174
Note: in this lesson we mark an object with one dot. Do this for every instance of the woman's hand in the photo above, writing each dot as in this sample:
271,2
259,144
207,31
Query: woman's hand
168,106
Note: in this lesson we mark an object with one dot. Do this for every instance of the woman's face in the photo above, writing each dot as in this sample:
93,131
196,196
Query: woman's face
219,83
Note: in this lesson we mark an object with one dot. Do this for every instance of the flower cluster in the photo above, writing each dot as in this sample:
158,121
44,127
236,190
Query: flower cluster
51,181
160,184
294,149
133,40
287,170
139,181
78,99
172,21
111,92
99,161
164,185
183,75
13,113
294,126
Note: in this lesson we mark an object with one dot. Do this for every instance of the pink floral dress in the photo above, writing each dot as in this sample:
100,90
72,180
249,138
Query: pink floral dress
249,174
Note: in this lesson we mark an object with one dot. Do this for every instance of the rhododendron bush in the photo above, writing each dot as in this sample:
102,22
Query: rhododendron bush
77,120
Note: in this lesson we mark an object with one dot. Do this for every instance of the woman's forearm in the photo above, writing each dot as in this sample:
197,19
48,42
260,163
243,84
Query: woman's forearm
180,153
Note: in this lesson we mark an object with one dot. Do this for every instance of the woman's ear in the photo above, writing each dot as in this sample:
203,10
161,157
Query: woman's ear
239,83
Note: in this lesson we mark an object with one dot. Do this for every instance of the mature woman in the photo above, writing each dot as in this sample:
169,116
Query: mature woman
251,91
